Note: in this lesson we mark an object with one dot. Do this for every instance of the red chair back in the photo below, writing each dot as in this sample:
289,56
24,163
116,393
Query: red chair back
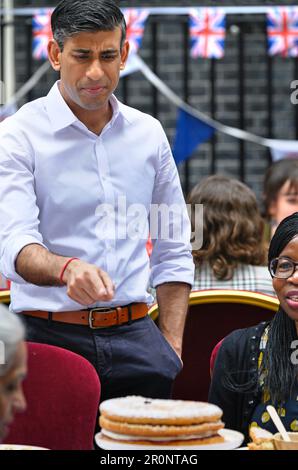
62,391
212,315
213,356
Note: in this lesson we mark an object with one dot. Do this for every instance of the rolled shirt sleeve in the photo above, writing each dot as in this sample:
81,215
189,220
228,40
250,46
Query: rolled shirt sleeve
18,209
171,259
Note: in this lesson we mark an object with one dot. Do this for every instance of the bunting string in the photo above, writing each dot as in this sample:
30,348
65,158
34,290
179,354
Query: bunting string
203,124
207,29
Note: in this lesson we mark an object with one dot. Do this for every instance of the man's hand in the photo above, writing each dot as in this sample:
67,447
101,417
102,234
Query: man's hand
172,300
87,284
175,342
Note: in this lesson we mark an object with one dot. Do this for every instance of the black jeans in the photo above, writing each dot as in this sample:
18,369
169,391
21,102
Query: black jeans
132,359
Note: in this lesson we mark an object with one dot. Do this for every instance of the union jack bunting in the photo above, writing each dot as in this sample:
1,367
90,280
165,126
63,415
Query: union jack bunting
207,29
42,33
282,31
135,24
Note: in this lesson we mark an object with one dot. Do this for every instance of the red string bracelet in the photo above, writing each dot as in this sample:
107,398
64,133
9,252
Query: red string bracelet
64,268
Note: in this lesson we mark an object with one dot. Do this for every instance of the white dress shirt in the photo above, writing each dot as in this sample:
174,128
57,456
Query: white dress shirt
63,187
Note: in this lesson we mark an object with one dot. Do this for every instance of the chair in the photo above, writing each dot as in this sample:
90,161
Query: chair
213,355
212,315
62,391
4,297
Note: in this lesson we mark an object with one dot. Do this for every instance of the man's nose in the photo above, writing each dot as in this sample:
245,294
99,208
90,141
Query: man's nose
20,403
95,71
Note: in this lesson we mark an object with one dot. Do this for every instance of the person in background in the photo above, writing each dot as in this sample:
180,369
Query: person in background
258,366
13,368
233,254
80,172
280,192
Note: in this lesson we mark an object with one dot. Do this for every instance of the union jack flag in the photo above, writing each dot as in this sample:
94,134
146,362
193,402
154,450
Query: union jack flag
282,31
207,28
42,33
135,24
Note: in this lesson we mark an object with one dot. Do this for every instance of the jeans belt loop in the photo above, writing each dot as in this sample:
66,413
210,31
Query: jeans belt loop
50,318
129,315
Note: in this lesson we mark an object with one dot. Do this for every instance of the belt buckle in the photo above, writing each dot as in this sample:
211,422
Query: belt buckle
98,309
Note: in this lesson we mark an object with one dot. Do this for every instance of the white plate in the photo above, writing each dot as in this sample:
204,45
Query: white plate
233,439
20,447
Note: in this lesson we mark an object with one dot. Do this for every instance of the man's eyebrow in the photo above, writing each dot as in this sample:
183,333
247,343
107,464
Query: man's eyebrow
110,51
87,51
83,51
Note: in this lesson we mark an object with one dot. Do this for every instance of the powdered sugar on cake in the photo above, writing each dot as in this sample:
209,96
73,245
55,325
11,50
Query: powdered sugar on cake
140,407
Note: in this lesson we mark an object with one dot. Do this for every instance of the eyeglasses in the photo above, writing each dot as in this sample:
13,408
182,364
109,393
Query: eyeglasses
282,267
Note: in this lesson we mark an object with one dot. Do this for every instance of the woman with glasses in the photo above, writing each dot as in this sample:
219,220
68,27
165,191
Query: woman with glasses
258,366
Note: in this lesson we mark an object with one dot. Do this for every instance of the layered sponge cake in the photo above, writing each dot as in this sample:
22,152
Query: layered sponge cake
147,421
261,439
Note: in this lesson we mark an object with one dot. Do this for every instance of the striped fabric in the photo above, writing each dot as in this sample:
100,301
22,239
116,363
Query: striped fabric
246,277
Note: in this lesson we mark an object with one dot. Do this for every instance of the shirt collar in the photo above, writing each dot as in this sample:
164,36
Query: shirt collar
61,116
59,112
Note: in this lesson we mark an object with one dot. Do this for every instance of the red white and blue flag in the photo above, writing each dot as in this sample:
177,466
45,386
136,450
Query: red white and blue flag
42,33
135,24
207,29
282,31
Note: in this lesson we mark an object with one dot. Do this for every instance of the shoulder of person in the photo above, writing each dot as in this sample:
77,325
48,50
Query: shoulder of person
239,338
26,114
262,269
133,114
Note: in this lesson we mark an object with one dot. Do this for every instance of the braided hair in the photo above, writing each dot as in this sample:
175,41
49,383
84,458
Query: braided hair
279,373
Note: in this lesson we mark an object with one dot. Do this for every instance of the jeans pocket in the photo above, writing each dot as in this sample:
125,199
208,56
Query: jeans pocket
168,347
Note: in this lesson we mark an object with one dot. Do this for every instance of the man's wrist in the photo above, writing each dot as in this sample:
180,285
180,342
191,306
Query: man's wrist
64,270
176,343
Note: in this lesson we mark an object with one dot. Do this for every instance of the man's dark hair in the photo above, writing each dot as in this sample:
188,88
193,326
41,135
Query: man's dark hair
75,16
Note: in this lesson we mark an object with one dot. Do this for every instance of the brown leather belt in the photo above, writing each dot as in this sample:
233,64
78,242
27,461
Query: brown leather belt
99,317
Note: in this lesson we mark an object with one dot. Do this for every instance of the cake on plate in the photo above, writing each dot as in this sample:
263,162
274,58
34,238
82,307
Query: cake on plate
148,421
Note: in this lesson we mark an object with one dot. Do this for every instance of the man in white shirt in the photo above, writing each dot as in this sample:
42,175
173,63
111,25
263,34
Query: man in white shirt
76,167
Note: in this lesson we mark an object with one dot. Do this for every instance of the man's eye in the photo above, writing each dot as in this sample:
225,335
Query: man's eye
81,57
108,57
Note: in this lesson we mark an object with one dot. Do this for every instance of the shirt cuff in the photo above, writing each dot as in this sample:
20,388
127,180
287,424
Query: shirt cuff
162,274
10,254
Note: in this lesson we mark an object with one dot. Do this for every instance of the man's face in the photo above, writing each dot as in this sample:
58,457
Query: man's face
89,67
12,399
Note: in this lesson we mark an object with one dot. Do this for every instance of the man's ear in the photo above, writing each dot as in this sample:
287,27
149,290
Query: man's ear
54,54
124,54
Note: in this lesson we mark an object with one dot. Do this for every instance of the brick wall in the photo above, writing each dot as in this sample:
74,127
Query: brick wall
170,69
